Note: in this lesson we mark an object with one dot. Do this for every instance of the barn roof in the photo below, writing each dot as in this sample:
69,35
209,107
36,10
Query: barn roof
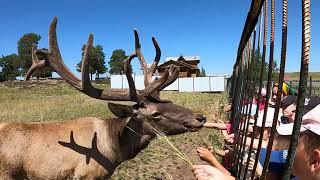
187,58
175,63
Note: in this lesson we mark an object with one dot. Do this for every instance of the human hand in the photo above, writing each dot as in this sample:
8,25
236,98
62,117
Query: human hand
227,108
271,102
205,154
206,172
229,138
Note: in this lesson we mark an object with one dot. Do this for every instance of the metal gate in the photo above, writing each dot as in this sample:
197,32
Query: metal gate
245,82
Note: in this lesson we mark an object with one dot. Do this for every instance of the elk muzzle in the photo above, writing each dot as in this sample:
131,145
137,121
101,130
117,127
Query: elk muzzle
201,118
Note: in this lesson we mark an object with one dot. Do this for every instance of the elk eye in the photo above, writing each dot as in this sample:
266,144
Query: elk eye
156,115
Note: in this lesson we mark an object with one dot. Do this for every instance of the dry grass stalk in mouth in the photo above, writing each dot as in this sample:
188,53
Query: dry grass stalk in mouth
165,139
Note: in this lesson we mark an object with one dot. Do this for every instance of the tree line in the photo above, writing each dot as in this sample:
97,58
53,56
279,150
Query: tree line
17,64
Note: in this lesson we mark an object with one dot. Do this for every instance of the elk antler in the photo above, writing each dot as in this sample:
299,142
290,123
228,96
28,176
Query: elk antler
36,63
52,58
148,72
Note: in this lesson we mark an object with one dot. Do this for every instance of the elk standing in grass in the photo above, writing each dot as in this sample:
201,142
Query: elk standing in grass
92,148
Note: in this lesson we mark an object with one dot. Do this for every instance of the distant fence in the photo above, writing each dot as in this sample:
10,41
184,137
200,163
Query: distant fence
313,86
189,84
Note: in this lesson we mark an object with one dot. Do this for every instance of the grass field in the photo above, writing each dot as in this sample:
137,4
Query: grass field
27,101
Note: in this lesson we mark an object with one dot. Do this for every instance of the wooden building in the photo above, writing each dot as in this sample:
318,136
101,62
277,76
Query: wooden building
188,65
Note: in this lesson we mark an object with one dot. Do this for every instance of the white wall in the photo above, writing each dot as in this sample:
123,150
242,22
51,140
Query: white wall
189,84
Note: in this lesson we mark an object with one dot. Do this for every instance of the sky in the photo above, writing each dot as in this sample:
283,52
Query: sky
210,29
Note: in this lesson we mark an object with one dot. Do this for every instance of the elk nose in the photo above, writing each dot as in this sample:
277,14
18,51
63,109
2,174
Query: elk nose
201,118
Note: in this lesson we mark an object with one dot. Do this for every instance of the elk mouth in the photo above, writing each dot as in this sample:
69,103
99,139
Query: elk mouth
197,124
194,128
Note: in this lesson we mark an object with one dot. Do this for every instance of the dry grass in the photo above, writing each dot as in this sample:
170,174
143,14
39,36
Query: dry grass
43,102
161,136
59,102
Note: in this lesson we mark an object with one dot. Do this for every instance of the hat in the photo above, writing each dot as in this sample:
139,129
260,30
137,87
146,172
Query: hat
310,121
263,92
269,118
311,103
288,101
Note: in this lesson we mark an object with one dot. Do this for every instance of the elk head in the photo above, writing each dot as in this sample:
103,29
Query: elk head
150,109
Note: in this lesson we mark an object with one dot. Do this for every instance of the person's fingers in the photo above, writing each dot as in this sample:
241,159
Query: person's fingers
198,171
202,154
210,170
203,150
199,176
200,151
195,167
202,176
210,148
227,137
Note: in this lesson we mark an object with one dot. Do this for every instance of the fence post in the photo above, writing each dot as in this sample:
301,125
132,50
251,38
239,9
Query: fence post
310,90
121,81
192,84
210,84
178,84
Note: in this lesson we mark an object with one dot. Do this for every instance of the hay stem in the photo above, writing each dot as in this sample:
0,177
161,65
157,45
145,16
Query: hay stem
179,153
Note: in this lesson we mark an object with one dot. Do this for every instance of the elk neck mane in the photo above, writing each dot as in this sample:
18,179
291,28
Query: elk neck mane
130,136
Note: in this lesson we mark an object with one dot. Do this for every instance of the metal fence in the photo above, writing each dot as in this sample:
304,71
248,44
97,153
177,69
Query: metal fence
255,37
190,84
313,86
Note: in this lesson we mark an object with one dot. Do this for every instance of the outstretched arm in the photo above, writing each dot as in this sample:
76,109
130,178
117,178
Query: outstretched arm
206,155
220,126
205,172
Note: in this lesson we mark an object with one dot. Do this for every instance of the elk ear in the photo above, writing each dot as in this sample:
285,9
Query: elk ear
121,111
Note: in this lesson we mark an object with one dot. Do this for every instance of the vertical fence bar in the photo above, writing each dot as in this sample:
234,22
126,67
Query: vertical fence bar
310,89
237,105
261,77
268,81
281,76
255,79
233,92
244,64
238,70
236,97
305,57
239,108
243,108
250,90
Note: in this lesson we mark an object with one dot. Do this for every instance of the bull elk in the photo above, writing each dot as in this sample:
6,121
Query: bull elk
92,148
